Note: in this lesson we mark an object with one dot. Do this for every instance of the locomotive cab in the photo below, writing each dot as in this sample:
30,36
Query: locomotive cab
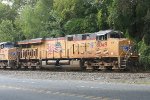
114,44
8,51
8,55
6,45
105,35
113,50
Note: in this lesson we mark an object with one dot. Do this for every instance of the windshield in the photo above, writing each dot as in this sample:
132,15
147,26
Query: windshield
116,35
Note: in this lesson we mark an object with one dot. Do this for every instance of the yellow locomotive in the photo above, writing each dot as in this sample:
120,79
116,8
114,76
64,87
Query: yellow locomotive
95,51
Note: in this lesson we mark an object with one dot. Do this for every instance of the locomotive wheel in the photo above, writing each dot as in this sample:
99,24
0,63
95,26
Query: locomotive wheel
90,70
118,70
39,67
83,68
25,67
13,65
104,70
4,67
33,67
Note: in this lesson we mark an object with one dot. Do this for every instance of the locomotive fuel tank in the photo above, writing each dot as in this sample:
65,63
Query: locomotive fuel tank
62,64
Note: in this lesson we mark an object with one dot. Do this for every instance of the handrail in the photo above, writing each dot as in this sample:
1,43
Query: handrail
126,55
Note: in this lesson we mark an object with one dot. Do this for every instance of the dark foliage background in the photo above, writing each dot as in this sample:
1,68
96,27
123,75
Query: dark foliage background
26,19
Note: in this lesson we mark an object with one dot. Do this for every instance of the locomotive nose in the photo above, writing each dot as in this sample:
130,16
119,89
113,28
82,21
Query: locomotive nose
128,48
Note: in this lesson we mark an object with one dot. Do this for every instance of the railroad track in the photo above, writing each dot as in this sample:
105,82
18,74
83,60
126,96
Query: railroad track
71,70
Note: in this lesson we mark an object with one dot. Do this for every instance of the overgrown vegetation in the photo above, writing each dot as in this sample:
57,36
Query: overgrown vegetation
25,19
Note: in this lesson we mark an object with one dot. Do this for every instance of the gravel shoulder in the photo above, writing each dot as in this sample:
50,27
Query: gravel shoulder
127,78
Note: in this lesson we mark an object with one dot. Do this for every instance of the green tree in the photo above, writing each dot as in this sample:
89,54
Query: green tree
103,13
41,15
81,25
6,12
127,15
7,31
40,20
19,4
78,16
26,22
74,26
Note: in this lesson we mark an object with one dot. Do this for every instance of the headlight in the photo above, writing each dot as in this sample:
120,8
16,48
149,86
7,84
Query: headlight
129,42
112,53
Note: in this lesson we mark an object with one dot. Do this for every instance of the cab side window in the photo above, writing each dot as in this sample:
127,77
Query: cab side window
83,37
9,45
2,46
70,38
101,37
116,35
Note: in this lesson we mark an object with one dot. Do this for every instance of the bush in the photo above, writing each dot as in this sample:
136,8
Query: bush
144,55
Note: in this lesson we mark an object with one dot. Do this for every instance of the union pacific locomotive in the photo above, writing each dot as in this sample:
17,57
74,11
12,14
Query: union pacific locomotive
92,51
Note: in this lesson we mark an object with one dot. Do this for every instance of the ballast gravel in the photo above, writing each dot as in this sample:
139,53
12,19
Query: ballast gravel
109,77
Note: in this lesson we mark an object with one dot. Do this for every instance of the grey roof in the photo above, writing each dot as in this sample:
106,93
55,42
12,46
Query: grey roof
37,39
3,43
31,41
103,32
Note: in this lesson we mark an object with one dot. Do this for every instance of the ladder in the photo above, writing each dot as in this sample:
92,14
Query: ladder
124,60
